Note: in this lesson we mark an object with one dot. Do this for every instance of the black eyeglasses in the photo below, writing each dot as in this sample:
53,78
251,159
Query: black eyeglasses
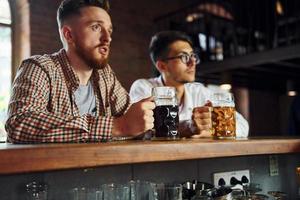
185,58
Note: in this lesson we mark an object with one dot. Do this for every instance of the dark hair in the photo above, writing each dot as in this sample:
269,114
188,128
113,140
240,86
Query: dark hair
68,8
160,42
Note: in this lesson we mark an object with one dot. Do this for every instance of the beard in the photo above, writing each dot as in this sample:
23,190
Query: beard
86,54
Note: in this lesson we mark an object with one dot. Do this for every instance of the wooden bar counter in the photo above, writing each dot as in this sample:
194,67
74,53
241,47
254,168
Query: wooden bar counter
46,157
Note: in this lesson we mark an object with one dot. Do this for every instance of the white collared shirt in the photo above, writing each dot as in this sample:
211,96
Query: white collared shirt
195,95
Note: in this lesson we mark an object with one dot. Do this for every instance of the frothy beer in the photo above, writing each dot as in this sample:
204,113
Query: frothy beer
223,122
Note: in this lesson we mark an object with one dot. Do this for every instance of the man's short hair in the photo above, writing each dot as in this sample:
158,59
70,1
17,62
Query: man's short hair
69,8
160,42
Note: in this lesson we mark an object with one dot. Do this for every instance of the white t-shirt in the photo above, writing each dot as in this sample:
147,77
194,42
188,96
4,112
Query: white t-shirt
196,94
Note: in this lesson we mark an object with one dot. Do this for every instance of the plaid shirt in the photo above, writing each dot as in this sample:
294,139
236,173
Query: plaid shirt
43,109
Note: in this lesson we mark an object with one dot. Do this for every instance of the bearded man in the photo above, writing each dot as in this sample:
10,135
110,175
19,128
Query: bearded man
73,95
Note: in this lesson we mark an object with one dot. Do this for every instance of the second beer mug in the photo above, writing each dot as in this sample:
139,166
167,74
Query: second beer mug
166,117
223,116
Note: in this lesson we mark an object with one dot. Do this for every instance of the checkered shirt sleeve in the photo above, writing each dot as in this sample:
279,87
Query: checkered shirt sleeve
41,109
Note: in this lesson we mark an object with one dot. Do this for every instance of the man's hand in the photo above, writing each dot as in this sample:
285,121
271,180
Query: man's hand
202,120
138,119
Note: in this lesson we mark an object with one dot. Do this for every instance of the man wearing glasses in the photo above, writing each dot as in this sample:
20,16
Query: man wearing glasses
173,56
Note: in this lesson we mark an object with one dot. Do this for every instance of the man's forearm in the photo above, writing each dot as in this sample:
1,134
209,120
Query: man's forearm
39,127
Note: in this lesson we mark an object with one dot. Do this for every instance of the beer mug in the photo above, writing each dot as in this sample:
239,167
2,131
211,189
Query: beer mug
168,191
86,193
116,191
166,117
223,116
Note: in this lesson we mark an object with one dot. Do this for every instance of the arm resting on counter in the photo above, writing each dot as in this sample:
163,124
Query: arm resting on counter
32,119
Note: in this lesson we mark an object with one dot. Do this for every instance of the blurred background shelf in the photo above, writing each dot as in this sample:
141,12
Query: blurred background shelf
268,70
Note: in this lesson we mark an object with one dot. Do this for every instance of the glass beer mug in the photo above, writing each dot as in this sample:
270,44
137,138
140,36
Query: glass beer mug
166,117
223,116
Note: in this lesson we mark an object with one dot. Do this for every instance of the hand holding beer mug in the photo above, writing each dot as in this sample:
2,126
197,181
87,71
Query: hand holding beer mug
202,120
223,116
166,117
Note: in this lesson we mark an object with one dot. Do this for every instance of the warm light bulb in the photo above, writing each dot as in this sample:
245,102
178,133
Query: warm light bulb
190,18
279,8
292,93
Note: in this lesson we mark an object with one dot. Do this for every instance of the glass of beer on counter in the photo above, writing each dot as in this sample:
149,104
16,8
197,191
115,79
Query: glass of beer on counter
165,113
223,116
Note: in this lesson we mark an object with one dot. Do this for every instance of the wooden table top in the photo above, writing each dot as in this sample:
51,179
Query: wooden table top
46,157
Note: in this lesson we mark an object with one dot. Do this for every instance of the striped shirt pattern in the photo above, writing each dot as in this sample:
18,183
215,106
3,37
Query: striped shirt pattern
42,107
